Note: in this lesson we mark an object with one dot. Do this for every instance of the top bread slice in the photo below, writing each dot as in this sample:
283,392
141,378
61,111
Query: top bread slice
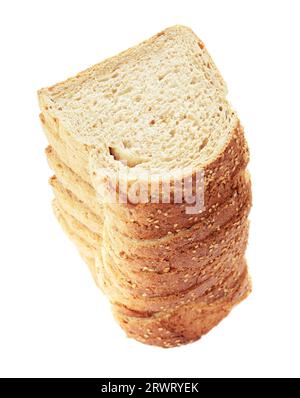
156,108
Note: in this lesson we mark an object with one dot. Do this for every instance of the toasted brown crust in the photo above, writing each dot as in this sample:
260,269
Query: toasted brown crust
184,249
167,334
206,223
175,245
146,226
211,288
176,274
228,267
172,280
208,289
185,324
146,222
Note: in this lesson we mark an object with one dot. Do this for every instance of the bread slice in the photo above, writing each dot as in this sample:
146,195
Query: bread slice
160,106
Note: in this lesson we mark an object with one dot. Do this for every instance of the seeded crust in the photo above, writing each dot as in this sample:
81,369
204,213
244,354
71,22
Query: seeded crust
140,306
186,254
208,291
203,225
172,279
183,249
185,260
180,326
173,245
163,223
185,324
118,292
217,215
157,249
155,220
215,284
187,283
154,248
165,329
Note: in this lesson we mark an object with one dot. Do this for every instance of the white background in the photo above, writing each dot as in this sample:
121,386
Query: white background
53,320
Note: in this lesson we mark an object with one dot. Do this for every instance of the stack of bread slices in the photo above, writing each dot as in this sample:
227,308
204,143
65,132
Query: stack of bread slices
158,109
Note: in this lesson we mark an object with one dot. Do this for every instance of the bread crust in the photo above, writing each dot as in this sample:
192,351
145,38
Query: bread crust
227,267
156,249
185,324
163,329
163,222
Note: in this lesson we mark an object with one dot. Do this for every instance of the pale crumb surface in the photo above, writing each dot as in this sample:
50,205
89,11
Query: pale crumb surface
160,106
